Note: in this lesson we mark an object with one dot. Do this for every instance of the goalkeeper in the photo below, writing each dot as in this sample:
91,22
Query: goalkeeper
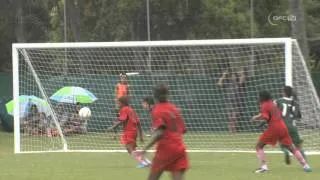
290,113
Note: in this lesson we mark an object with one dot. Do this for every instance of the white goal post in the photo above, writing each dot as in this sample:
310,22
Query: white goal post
214,82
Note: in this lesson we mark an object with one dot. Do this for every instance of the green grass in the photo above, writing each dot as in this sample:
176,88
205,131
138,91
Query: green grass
119,166
195,141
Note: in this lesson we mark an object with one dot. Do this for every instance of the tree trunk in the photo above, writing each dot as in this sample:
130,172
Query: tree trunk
74,20
73,16
298,27
19,29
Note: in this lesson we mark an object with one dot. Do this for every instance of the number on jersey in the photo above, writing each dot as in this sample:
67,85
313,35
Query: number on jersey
287,108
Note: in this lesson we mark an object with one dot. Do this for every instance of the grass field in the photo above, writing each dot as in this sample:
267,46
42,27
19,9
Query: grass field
119,166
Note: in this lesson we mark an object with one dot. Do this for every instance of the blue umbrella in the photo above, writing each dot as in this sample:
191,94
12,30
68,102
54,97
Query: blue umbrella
25,102
71,94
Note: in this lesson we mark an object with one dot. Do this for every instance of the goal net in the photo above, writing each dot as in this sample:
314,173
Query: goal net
215,83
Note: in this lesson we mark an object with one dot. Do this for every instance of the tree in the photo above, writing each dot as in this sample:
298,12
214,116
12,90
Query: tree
21,22
123,20
265,11
7,35
298,27
313,32
223,19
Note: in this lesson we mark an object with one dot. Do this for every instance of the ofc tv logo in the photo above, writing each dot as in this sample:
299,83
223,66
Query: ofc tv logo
274,20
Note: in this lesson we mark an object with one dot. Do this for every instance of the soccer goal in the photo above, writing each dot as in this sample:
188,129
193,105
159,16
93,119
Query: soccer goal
214,82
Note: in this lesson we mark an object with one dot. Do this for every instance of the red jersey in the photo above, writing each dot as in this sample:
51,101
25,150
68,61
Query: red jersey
277,130
168,115
270,112
122,90
130,118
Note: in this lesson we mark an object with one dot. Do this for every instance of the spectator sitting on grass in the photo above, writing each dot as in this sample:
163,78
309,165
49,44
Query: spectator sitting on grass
75,125
43,127
62,114
30,125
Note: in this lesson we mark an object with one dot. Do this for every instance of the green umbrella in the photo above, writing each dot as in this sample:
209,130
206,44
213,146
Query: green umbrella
71,94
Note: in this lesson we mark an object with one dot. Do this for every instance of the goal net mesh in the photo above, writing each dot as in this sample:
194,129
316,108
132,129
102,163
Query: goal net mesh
215,86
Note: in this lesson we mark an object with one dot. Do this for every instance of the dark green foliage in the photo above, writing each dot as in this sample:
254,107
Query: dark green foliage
123,20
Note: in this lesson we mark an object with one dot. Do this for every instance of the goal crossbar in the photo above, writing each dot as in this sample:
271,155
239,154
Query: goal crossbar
152,43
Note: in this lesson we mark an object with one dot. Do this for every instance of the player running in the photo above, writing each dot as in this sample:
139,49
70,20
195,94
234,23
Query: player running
131,129
168,127
290,113
276,131
121,90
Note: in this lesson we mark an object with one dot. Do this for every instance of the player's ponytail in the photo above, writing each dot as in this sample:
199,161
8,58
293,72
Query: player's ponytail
288,91
294,104
264,96
149,100
161,92
124,100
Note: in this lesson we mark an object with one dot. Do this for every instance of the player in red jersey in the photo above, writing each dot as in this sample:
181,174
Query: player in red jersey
276,131
168,131
131,129
122,89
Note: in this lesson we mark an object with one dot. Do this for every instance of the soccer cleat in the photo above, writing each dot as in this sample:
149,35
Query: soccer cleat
142,165
261,170
307,168
147,161
287,159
